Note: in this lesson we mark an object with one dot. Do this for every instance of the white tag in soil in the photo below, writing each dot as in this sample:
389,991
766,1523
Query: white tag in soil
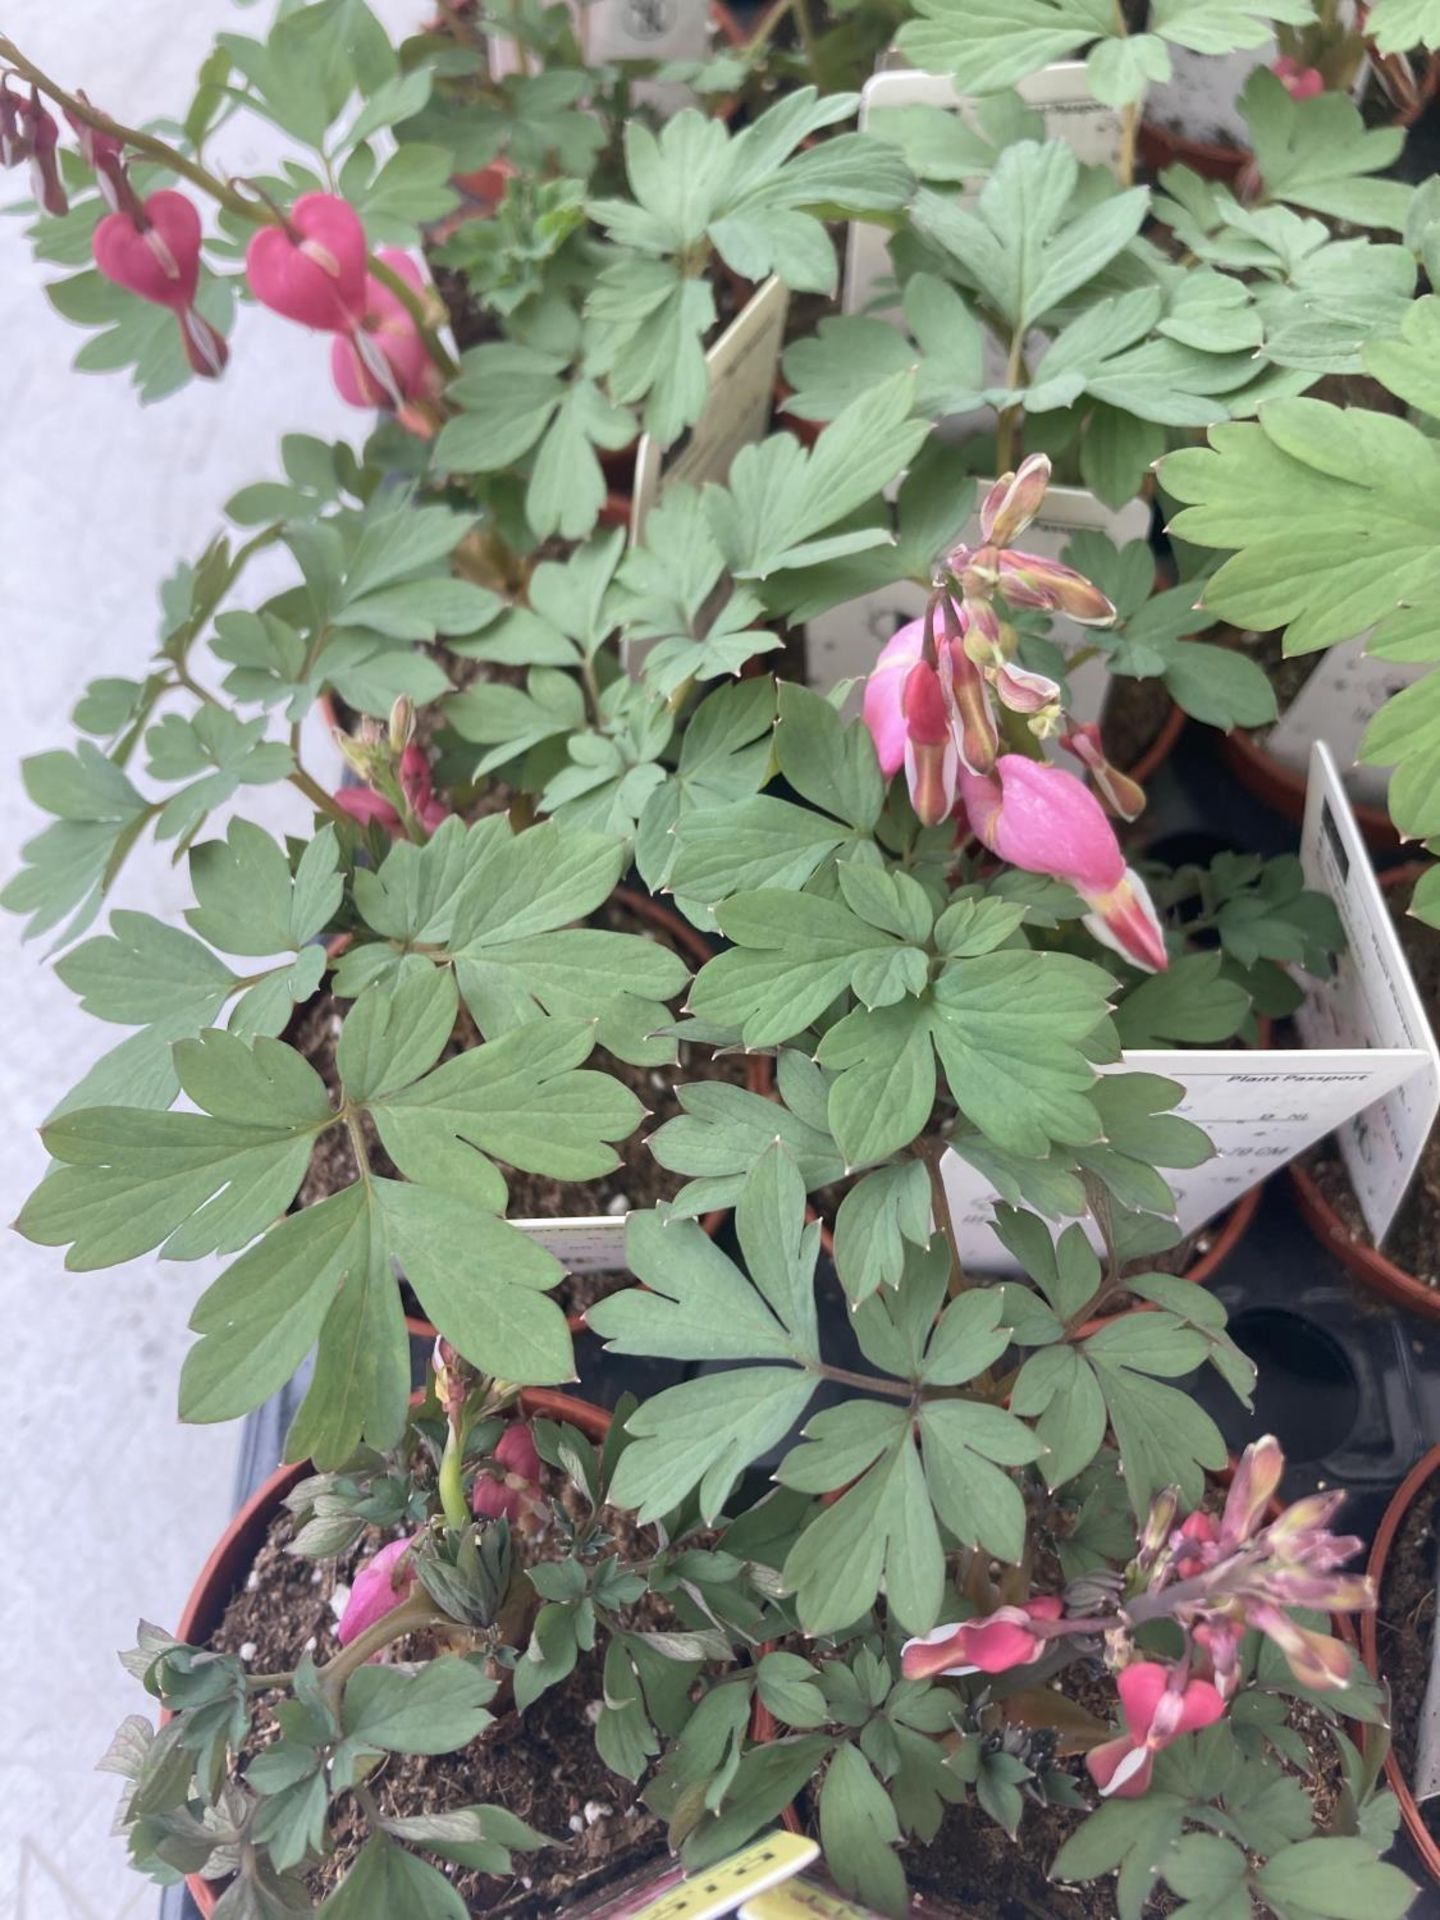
844,642
1336,704
1370,1066
741,368
586,1243
657,30
1059,92
1372,1003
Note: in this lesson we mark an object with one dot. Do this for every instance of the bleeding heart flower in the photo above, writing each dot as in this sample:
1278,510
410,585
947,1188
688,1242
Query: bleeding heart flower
383,362
156,255
153,249
1159,1705
312,269
29,131
1039,817
994,1643
379,1587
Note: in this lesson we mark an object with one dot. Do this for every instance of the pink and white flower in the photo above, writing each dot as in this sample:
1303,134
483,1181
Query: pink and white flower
1159,1704
994,1643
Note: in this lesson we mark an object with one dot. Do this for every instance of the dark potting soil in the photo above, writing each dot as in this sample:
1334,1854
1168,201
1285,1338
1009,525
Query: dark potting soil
543,1766
639,1181
1413,1242
1405,1629
1135,715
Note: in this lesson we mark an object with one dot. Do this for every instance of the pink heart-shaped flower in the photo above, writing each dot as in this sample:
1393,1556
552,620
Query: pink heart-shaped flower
159,261
317,279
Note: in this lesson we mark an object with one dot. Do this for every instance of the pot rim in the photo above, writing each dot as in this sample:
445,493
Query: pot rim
218,1578
1400,1504
1283,789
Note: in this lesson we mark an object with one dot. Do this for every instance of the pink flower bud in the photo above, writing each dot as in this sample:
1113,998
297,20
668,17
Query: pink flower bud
884,700
1121,794
1159,1705
929,756
992,1644
1256,1481
156,256
974,731
379,1587
45,181
1014,500
313,269
516,1451
1300,82
492,1499
1317,1660
1023,691
1029,580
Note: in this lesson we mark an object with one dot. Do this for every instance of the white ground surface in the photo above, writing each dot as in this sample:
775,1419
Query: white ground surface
107,1505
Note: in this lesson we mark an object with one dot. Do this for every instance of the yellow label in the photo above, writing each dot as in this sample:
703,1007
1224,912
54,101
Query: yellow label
722,1888
802,1901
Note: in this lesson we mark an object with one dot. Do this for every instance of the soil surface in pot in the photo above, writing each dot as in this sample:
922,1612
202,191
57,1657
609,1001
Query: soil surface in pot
1413,1242
639,1180
1405,1626
543,1767
1135,714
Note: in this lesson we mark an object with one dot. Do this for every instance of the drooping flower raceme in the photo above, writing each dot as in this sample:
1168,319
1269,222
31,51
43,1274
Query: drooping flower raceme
152,248
371,808
1039,817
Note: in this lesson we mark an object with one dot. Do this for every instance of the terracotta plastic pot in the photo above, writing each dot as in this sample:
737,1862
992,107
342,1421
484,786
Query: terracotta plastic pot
1362,1261
1283,789
237,1548
1408,1492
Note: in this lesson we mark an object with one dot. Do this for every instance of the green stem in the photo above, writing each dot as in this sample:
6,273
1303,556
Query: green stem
452,1476
931,1152
419,1610
865,1382
1009,420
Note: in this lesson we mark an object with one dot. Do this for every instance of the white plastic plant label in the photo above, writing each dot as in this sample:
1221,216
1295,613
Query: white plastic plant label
1059,92
1370,1067
1342,696
587,1243
844,642
667,1893
1372,1003
659,30
741,366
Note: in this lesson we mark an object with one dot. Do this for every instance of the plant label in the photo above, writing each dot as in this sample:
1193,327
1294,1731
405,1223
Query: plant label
844,642
1371,1004
1060,93
803,1900
667,1894
659,30
1370,1069
741,367
1336,705
587,1243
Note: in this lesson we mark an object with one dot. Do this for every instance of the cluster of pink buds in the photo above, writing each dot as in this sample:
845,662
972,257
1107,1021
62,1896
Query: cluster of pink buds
28,132
313,269
1215,1579
509,1489
399,790
943,691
